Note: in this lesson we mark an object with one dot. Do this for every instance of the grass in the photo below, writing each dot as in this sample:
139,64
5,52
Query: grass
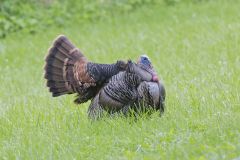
194,48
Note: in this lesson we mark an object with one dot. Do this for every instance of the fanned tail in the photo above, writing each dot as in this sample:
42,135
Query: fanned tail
59,65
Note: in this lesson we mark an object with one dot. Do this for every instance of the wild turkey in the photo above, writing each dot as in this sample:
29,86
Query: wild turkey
129,90
68,71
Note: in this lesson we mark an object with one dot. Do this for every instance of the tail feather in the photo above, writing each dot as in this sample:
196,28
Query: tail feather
64,42
55,84
47,73
56,54
56,93
59,66
54,77
59,90
53,70
55,62
67,48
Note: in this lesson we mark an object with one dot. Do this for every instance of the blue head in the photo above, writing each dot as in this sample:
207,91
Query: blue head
144,60
145,63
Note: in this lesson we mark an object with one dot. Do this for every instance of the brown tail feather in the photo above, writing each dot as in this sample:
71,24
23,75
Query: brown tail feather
56,94
55,84
55,62
53,70
54,77
63,53
59,90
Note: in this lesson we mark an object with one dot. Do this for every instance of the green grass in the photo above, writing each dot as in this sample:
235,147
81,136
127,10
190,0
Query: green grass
195,49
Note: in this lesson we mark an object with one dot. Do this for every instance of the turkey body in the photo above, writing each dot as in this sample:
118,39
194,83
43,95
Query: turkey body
119,92
126,92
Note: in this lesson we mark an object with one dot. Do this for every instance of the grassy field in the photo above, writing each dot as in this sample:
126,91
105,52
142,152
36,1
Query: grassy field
195,49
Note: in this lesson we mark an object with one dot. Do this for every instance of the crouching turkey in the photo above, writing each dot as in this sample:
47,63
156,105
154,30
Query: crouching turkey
136,89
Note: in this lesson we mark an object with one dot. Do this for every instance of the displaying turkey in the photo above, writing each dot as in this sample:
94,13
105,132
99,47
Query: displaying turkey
132,89
68,71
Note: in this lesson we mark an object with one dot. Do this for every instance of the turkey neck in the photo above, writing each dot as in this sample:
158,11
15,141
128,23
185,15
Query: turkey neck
102,72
